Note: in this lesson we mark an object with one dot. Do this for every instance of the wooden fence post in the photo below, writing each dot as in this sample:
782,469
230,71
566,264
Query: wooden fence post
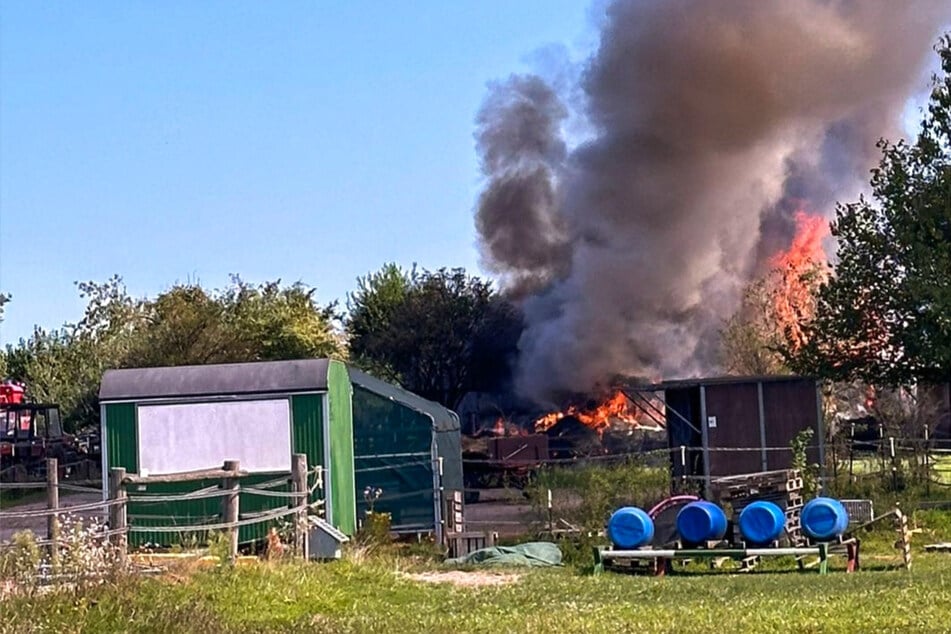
299,486
52,503
118,518
229,505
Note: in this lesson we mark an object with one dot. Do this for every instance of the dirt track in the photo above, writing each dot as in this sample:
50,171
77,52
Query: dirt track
500,510
8,526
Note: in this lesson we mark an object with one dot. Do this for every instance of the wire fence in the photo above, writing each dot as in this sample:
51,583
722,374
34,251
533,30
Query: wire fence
122,523
914,472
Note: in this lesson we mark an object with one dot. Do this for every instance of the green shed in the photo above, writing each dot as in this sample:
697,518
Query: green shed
408,447
355,430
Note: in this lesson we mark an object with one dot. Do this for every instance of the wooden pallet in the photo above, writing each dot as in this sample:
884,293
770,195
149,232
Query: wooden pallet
944,547
656,560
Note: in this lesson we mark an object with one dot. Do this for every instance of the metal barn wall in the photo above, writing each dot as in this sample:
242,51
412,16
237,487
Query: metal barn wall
790,407
683,430
393,452
742,440
340,454
736,409
121,447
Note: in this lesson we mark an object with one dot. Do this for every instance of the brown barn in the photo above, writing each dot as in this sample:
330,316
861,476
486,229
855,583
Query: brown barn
941,397
733,425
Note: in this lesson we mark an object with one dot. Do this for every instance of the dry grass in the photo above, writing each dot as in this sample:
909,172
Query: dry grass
469,579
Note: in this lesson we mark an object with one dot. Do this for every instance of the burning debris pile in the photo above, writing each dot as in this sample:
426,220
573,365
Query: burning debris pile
709,126
616,411
612,424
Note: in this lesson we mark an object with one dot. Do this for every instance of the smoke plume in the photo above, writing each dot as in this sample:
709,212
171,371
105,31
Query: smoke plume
713,122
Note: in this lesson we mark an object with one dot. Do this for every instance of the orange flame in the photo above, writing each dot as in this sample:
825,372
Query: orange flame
794,300
616,408
499,428
504,428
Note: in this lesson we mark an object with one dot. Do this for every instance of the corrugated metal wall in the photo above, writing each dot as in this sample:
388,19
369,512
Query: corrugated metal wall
341,448
393,451
736,408
790,407
122,444
122,451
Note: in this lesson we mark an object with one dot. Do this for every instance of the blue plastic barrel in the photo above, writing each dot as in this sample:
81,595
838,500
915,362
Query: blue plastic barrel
824,518
761,522
630,527
701,521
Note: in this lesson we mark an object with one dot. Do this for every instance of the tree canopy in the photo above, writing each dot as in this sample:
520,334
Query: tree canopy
438,333
184,325
884,316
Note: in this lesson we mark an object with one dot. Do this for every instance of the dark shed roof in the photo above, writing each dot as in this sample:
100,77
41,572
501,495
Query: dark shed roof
443,419
262,377
716,380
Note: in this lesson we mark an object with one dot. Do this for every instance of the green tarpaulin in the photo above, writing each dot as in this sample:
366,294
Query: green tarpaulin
536,554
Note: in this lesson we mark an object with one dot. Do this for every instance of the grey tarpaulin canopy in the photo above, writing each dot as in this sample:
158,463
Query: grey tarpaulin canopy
398,439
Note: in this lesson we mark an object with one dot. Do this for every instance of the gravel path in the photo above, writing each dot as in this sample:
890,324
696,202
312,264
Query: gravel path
10,525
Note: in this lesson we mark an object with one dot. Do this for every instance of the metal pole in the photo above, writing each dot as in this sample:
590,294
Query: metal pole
851,453
891,452
440,524
821,433
881,443
927,460
835,463
551,523
683,468
762,427
706,442
52,503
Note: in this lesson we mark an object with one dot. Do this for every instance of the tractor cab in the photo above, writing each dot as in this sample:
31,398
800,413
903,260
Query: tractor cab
29,434
30,422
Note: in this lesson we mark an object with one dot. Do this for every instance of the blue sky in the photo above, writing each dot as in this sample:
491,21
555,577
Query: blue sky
184,141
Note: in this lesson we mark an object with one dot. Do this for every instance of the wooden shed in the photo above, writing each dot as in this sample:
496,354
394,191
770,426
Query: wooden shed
727,426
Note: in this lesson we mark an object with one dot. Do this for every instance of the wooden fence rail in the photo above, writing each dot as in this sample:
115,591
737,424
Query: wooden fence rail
118,499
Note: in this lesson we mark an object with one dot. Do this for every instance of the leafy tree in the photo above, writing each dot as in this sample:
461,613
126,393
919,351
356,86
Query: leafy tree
64,366
184,325
372,311
751,338
4,300
885,315
189,325
437,333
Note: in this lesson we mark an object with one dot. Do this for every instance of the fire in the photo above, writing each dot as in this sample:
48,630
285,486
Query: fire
616,408
799,271
501,427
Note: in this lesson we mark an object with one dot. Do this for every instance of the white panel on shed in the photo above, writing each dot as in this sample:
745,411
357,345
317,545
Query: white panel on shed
193,436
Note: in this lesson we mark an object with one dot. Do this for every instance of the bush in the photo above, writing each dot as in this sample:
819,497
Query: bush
21,559
586,495
85,555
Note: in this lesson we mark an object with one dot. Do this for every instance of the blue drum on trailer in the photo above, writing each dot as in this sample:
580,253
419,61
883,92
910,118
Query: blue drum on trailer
701,521
630,527
761,522
824,518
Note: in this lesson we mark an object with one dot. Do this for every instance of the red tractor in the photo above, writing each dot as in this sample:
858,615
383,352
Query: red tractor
29,434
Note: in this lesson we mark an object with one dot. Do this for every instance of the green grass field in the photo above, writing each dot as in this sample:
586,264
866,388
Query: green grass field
376,595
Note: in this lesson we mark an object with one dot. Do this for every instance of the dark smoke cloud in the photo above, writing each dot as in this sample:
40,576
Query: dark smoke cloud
523,235
713,122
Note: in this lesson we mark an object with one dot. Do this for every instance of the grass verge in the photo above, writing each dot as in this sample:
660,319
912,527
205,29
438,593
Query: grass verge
376,595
